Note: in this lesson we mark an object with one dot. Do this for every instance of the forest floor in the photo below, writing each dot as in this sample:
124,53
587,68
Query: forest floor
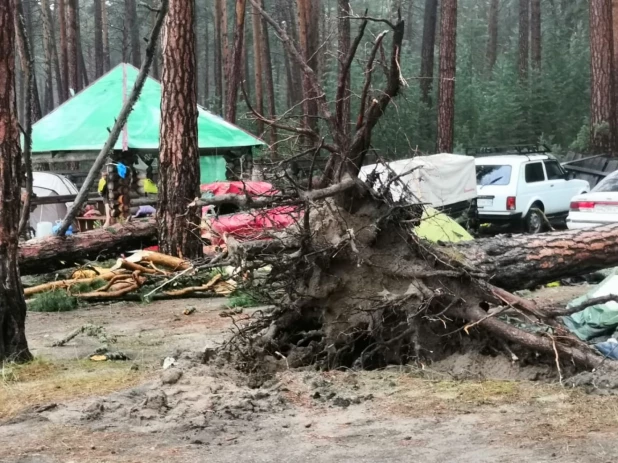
62,408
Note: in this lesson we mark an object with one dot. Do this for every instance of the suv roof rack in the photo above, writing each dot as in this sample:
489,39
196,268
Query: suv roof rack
524,150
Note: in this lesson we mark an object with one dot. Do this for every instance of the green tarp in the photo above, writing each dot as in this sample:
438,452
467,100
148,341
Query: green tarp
597,320
82,123
212,169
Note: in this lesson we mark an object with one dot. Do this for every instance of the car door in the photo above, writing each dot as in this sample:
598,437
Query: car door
557,198
533,186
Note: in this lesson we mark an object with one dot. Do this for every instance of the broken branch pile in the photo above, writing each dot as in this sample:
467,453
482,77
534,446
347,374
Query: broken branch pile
133,278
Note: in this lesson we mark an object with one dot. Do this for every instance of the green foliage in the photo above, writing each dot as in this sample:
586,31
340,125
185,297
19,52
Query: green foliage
242,299
94,285
582,142
53,301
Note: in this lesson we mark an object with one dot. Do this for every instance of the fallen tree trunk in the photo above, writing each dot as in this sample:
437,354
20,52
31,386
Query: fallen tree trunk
524,261
48,254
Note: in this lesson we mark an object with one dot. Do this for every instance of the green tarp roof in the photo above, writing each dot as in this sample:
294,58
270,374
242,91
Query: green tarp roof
81,123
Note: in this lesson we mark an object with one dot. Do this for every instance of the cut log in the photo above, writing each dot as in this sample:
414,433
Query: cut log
48,254
524,261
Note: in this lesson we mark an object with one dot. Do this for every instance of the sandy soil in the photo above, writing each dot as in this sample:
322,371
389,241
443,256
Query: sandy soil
67,409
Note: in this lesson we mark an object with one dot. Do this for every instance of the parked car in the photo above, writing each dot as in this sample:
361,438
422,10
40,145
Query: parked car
519,189
599,207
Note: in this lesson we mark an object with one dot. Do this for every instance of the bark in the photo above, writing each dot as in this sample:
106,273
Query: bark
49,59
535,33
235,64
427,52
218,57
126,109
29,117
156,69
492,42
343,108
179,176
615,43
258,53
64,48
105,36
206,60
286,14
98,39
524,261
13,344
409,35
133,32
56,62
41,256
72,49
448,61
27,62
269,83
524,38
603,108
308,32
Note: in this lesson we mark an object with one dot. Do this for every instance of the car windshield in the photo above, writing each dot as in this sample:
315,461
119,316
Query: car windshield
608,184
493,175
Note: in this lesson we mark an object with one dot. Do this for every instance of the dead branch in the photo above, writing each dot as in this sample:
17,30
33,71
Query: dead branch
368,75
266,201
563,312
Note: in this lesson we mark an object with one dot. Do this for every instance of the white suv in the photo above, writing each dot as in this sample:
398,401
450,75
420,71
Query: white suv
520,188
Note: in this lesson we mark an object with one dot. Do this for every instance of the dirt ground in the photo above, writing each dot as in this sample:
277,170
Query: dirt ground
63,408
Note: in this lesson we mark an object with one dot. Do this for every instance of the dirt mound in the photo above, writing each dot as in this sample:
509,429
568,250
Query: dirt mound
601,381
190,398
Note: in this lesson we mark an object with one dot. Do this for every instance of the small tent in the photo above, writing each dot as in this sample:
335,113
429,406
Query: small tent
78,129
46,184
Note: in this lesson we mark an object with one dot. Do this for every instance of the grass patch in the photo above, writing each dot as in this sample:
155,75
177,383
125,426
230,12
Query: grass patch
42,382
53,301
242,299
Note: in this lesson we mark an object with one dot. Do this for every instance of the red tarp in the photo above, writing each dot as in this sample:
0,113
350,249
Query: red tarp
239,188
250,225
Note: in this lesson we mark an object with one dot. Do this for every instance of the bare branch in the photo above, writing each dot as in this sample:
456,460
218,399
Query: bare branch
368,75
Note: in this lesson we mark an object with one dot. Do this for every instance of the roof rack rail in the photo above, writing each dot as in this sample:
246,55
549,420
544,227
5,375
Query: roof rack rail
509,149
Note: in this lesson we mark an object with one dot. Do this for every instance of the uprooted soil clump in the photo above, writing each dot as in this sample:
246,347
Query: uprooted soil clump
365,292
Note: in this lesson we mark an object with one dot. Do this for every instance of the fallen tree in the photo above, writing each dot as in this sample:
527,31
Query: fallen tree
47,254
354,287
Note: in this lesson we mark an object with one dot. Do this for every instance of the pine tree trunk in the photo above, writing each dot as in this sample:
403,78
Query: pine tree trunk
535,33
23,40
603,107
13,344
269,83
286,13
72,49
64,47
81,63
409,36
492,30
615,56
524,38
448,61
308,33
133,32
179,173
98,39
206,61
235,65
105,36
524,261
56,62
427,52
37,110
258,53
156,70
344,12
218,57
49,57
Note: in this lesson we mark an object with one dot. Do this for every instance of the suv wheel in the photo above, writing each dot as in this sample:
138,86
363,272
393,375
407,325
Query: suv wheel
534,221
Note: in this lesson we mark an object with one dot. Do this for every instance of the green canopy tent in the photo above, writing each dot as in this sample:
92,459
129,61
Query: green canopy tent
78,129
